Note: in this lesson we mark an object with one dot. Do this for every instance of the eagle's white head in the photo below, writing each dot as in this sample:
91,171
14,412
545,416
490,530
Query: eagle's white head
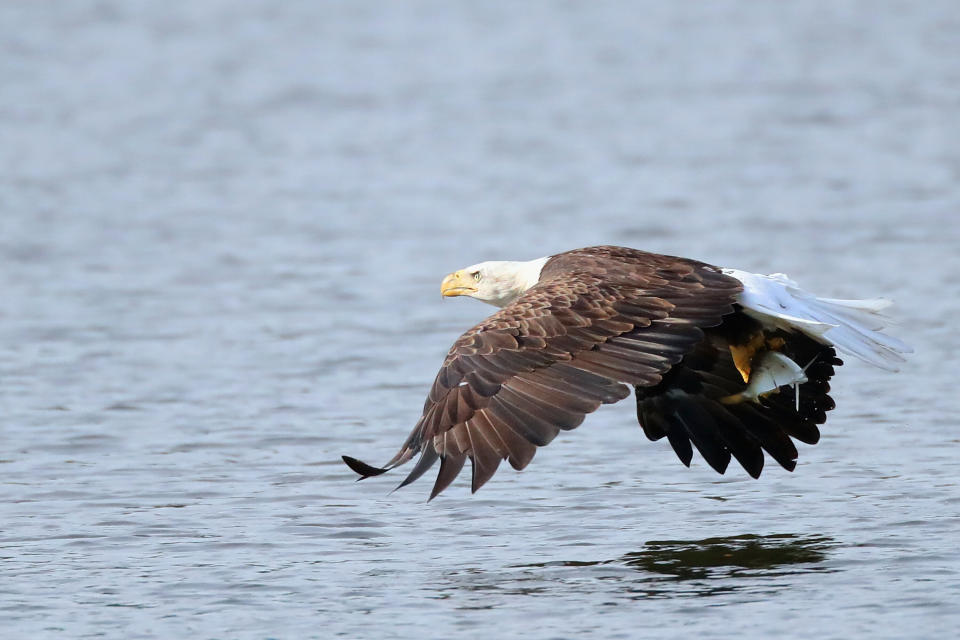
497,282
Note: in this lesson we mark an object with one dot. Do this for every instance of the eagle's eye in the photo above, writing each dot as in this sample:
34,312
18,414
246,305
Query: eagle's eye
476,276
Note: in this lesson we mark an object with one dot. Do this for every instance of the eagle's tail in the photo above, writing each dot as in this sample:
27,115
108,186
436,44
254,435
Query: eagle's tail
852,326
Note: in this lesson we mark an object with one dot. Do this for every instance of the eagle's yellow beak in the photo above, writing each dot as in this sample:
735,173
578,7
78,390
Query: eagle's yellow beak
458,283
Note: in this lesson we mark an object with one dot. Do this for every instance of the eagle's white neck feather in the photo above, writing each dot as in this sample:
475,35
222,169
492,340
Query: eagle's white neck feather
503,281
528,273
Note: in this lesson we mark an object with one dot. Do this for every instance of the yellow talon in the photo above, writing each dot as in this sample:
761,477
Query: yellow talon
743,354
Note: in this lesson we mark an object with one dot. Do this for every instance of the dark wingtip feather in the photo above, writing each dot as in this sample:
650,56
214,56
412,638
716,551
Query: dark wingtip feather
362,468
751,460
681,446
427,458
450,467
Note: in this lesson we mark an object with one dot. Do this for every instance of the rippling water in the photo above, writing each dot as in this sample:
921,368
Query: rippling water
222,232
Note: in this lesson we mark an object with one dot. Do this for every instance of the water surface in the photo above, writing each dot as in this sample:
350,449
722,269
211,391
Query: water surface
222,233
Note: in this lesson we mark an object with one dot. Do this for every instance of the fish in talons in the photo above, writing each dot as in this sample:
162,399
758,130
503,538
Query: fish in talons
774,370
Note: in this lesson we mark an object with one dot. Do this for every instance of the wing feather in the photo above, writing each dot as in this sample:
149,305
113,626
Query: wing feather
484,458
550,409
554,391
450,467
534,428
520,450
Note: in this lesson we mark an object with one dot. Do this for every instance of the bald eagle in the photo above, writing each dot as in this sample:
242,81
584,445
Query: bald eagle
729,362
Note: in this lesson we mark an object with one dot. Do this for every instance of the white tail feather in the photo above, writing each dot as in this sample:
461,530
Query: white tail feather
853,326
873,305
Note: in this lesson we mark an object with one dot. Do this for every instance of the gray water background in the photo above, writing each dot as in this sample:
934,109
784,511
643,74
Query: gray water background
222,231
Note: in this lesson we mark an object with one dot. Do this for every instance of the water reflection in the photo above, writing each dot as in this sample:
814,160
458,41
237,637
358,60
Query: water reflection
729,557
709,567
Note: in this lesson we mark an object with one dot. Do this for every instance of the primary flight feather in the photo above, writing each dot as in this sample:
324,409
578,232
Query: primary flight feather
729,362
